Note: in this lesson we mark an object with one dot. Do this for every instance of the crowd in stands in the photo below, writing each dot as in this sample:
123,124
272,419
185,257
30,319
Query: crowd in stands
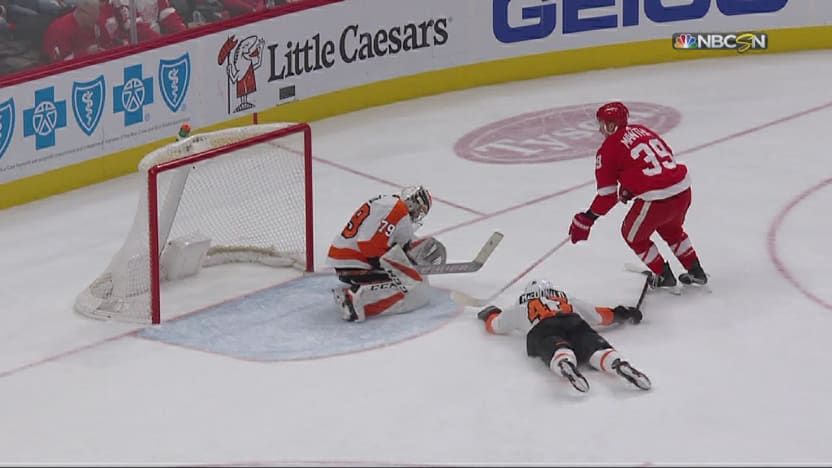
37,32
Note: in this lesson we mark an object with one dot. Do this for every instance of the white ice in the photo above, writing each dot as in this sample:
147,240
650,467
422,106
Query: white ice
741,375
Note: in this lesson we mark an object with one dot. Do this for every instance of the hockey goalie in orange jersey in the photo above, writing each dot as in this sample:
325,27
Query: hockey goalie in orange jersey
376,254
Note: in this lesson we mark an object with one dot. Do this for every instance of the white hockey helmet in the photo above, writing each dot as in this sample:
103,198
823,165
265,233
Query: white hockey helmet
537,288
418,201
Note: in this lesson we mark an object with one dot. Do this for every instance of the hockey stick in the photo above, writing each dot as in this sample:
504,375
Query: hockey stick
462,298
643,292
445,268
632,267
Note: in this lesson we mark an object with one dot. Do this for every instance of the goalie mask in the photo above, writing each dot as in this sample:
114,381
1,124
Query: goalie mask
418,201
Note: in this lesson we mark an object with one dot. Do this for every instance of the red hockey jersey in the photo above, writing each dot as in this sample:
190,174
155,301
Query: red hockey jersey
642,163
66,39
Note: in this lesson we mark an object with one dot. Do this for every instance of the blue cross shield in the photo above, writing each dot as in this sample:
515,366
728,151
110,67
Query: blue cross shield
88,103
6,125
174,78
45,118
133,95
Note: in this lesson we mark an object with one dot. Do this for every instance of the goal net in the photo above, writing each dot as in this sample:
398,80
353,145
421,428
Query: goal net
236,195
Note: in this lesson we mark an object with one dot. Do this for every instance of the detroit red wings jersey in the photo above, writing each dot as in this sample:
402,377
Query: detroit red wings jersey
374,228
530,309
65,38
642,162
153,19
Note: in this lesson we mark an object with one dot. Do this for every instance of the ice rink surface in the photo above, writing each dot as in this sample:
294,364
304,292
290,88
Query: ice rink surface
741,375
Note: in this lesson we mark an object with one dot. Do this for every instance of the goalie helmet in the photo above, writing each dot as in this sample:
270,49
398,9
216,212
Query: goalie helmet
612,112
418,201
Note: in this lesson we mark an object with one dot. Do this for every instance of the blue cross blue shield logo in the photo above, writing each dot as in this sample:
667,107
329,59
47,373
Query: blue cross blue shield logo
133,95
44,118
88,103
6,125
174,78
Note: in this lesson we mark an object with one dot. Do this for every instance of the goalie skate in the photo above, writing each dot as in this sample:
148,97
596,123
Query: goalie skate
631,374
571,373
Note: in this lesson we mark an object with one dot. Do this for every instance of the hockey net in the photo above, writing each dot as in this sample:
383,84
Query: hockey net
236,195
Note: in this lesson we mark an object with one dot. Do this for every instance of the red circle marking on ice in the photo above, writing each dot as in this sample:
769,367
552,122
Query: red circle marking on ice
555,134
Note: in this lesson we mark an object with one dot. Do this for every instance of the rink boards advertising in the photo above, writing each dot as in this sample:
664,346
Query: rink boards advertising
87,124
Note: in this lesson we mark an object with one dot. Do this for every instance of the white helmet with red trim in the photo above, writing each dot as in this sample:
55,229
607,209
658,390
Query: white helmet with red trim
418,201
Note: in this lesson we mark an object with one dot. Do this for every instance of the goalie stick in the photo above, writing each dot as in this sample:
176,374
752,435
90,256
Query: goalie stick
446,268
461,298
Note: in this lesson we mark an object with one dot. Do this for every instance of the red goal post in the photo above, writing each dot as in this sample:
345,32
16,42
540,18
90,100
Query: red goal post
241,194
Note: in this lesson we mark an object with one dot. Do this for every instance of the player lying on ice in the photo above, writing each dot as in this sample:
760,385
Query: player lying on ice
376,252
558,333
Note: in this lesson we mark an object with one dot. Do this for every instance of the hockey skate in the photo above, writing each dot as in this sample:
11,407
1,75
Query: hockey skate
666,280
571,372
344,300
631,374
695,275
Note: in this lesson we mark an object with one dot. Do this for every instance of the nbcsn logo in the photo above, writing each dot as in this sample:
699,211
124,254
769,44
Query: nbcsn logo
741,42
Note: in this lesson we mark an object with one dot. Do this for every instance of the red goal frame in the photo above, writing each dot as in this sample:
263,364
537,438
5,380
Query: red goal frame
153,202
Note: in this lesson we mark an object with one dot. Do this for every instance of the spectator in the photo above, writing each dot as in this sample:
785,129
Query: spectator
85,30
242,7
5,26
154,18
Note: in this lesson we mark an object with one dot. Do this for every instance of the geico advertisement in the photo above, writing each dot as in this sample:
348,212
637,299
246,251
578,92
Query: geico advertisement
314,52
544,25
94,111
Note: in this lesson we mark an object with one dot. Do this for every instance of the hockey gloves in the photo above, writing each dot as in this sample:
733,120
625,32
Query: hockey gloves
624,195
485,313
627,314
581,224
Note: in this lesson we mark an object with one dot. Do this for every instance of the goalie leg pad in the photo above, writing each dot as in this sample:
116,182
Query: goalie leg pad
387,298
406,290
400,269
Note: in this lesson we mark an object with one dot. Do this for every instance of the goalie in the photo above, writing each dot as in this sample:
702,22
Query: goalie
375,254
557,332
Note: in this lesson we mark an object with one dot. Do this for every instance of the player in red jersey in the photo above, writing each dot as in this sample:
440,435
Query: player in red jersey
86,30
634,163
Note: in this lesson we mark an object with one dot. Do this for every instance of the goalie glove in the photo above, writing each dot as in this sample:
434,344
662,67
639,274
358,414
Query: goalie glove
426,251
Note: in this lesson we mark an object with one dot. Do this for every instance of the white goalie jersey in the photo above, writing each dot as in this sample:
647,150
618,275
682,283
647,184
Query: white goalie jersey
374,228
